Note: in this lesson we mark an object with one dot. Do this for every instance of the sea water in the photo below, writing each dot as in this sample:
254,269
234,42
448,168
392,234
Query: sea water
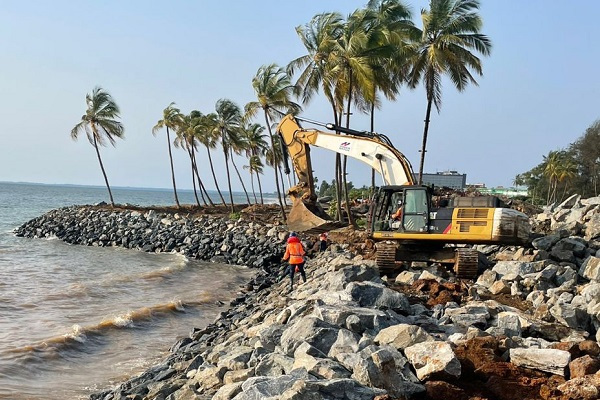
77,319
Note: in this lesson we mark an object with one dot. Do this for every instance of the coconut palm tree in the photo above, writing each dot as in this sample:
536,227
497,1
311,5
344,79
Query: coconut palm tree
274,97
256,146
100,125
208,135
255,166
194,127
450,33
171,118
229,117
185,140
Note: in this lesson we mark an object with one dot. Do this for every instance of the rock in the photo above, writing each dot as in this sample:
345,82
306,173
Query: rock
510,322
590,268
582,366
592,227
433,359
210,378
407,277
274,364
228,392
545,242
487,279
379,369
402,336
585,388
500,287
312,330
513,268
236,358
470,315
370,294
548,360
570,316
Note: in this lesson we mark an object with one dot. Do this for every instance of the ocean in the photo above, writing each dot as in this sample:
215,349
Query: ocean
77,319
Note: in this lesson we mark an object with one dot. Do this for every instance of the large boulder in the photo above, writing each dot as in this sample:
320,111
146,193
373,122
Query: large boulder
310,329
370,294
590,268
433,360
402,336
548,360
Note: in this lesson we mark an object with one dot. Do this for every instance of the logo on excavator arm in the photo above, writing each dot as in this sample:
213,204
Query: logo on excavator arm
345,146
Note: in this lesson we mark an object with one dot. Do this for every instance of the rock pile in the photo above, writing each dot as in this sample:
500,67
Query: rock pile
207,238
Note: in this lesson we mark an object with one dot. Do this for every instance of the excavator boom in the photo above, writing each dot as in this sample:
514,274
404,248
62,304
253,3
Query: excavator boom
372,149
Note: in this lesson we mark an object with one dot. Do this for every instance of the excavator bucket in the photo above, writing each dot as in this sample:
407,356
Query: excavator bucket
310,218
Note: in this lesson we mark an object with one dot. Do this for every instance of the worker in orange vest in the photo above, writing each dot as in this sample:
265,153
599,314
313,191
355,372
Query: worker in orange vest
294,251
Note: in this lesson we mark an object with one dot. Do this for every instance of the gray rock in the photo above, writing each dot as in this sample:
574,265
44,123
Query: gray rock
513,268
274,364
312,330
236,358
510,322
227,392
590,268
545,242
433,360
402,336
370,294
548,360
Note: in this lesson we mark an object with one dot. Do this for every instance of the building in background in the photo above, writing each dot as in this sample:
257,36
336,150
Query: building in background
502,191
449,179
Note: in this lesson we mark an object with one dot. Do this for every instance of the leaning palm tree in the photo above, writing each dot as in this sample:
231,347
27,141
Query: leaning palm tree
100,124
450,32
229,117
274,97
208,135
171,119
256,145
255,166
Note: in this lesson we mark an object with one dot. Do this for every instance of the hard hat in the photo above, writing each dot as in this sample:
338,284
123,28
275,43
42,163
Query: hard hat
293,234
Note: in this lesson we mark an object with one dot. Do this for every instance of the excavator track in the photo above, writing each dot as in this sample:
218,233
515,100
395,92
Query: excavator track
386,257
467,263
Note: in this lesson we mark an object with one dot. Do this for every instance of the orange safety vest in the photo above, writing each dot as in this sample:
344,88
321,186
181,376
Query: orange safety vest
294,251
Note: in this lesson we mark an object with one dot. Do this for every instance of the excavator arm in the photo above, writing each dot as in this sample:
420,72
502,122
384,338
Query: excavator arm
370,148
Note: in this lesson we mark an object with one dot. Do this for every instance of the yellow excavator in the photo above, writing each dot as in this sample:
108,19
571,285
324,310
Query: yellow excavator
402,219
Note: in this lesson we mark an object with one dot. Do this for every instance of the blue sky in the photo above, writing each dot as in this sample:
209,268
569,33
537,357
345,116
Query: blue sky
539,91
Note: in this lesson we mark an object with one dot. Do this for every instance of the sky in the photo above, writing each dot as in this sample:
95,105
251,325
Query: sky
539,91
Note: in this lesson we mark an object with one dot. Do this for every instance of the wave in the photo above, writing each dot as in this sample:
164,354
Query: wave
80,335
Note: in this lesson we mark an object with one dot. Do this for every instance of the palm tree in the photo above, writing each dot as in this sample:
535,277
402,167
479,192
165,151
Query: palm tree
255,166
318,37
100,124
450,31
229,117
208,135
274,93
194,127
185,140
256,145
171,118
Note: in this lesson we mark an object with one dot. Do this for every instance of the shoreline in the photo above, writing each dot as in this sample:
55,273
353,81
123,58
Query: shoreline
348,333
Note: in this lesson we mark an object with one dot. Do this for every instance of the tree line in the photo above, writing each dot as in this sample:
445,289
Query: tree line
353,61
564,172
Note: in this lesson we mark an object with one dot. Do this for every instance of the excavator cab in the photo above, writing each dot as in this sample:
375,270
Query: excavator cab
401,209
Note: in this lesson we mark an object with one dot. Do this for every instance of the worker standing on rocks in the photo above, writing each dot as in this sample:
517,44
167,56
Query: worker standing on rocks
294,251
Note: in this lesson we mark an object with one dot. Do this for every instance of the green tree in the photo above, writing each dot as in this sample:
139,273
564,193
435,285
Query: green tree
171,118
256,146
229,117
255,166
450,33
100,125
274,91
208,135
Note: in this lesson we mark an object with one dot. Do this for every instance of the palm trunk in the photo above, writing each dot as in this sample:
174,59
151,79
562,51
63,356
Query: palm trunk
283,194
347,197
425,131
172,169
194,184
283,216
252,185
203,191
260,189
237,171
338,166
112,202
228,180
195,171
372,130
212,169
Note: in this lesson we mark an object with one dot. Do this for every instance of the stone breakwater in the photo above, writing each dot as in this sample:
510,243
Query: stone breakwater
252,244
526,329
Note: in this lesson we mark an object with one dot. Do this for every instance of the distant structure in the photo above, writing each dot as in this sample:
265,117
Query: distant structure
504,191
449,179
